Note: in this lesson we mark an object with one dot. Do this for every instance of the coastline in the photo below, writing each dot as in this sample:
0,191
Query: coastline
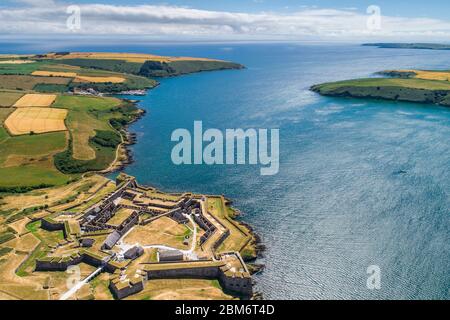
124,157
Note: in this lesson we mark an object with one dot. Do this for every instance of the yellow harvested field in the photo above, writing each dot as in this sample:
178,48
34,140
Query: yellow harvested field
35,100
78,78
430,75
99,79
136,57
16,61
130,57
36,120
54,74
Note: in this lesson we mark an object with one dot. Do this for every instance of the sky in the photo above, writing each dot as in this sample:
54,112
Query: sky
228,20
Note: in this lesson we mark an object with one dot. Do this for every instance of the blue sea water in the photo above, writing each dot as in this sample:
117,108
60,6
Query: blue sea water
361,182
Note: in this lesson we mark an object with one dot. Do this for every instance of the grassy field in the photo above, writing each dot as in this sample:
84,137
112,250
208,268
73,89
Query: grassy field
27,82
28,177
15,69
397,89
26,161
386,82
38,160
84,118
144,65
56,198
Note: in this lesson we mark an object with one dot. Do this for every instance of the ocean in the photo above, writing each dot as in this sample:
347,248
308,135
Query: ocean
361,182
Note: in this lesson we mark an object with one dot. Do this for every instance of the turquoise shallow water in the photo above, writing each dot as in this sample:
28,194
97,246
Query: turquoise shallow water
361,182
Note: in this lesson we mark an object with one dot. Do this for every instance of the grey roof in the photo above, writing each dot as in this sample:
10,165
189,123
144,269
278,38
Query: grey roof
87,242
134,252
170,255
111,240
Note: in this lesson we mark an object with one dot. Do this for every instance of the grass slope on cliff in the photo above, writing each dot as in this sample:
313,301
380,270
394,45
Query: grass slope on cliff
410,89
145,65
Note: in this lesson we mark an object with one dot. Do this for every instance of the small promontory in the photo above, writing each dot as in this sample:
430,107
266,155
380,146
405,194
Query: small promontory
402,86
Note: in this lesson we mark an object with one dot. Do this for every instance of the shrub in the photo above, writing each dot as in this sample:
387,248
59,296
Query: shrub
109,139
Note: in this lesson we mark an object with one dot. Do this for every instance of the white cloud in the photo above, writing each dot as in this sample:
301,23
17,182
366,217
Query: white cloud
170,22
37,2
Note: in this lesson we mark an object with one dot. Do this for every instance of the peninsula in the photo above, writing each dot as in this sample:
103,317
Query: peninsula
400,45
62,222
423,86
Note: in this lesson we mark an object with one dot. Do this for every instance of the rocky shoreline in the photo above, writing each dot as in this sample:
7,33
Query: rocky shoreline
124,154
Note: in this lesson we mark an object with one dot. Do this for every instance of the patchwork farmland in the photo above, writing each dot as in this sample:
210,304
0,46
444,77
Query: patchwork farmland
55,121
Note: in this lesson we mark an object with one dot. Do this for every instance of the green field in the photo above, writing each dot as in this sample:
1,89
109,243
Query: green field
26,68
26,161
32,161
83,120
174,68
387,82
50,88
152,68
28,177
88,117
27,82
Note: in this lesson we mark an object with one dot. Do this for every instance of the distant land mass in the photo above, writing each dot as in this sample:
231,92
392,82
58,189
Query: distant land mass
423,86
423,46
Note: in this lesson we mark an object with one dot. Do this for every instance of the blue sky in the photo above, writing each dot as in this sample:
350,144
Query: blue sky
312,20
